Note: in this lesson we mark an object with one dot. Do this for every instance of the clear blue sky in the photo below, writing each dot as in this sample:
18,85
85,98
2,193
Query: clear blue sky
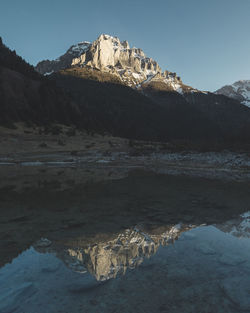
206,42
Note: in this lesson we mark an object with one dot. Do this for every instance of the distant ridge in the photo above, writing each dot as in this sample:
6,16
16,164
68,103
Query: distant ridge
240,91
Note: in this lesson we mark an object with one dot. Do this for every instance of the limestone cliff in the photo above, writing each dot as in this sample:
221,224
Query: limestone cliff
109,54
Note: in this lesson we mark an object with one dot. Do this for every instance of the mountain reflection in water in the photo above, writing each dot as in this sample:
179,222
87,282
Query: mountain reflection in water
181,268
145,243
105,260
239,227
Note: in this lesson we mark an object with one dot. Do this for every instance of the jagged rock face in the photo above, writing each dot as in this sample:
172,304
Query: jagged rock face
113,256
239,91
109,54
166,81
48,67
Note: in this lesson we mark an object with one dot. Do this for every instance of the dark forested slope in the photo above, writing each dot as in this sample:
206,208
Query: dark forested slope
100,102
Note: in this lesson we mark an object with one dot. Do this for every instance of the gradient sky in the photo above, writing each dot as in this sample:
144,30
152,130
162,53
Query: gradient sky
206,42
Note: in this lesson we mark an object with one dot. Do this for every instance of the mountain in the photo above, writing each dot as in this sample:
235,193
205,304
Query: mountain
108,54
110,88
95,106
48,67
116,253
177,111
240,91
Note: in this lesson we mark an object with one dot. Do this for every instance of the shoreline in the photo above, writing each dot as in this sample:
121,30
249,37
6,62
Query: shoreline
214,165
24,148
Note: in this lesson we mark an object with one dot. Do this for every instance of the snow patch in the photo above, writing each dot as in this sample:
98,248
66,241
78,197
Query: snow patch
176,86
240,90
48,73
80,48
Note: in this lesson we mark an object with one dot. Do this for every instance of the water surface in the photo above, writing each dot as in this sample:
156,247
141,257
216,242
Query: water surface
184,268
144,243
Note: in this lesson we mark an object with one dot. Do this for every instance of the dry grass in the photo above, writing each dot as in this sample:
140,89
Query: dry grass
92,74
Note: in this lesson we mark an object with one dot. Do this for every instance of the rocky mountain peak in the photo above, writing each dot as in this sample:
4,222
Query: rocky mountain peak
109,54
79,48
48,67
240,91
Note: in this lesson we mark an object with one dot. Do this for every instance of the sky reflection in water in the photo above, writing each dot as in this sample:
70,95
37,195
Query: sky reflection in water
181,268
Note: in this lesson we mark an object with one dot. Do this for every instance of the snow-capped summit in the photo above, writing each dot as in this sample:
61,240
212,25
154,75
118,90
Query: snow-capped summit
240,91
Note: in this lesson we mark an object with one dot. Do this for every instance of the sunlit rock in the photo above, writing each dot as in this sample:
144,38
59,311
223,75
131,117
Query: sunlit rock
109,54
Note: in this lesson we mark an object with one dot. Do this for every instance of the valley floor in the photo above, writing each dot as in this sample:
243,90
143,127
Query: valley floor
33,148
79,190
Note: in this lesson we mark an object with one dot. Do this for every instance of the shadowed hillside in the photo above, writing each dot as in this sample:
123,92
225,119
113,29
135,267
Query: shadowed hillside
29,97
125,112
98,101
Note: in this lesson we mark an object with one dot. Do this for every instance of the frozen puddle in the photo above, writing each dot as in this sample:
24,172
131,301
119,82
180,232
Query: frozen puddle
182,269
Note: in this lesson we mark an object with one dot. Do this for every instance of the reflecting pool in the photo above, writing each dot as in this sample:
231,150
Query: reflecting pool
180,268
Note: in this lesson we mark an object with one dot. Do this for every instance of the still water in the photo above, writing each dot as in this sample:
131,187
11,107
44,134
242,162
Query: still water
182,268
143,243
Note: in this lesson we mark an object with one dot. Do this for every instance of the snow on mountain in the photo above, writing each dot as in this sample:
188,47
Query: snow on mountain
48,67
240,91
109,54
79,48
